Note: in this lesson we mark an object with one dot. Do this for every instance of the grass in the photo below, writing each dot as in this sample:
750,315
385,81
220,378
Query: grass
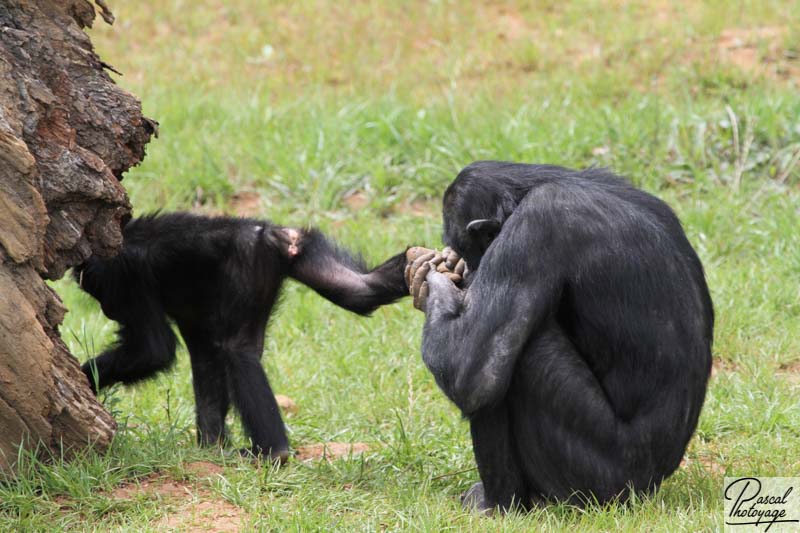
355,117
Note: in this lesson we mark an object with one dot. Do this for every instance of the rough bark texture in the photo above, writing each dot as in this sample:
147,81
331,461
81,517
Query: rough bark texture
67,133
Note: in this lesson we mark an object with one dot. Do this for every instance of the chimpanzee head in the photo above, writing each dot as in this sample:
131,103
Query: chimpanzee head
475,206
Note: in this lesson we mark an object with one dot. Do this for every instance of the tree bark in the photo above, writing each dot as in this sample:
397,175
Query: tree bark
67,133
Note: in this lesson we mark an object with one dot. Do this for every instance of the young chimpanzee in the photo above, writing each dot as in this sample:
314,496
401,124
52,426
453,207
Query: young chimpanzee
218,279
580,347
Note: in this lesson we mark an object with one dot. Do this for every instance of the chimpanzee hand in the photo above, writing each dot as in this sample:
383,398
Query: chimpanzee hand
287,241
417,268
421,261
453,266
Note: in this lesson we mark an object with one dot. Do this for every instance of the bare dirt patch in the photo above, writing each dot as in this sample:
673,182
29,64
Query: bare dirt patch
510,24
153,486
419,208
356,200
287,405
758,50
707,460
192,506
246,203
790,372
330,450
203,469
724,366
202,516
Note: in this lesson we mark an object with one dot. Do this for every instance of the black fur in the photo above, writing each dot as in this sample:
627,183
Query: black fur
581,348
218,280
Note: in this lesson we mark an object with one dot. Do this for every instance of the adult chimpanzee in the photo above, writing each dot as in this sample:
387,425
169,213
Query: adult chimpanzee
580,348
218,279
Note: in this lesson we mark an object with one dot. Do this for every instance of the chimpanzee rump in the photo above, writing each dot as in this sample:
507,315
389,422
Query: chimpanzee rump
218,280
580,349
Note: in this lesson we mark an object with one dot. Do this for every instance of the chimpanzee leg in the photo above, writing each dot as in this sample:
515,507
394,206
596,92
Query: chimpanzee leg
210,388
145,345
498,465
253,397
570,442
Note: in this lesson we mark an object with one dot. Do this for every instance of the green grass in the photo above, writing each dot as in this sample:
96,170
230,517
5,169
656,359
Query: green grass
304,104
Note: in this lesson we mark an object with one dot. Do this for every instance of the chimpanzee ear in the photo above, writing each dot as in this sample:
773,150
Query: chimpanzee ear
483,231
484,226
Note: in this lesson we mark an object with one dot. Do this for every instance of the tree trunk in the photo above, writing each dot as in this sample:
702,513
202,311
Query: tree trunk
67,133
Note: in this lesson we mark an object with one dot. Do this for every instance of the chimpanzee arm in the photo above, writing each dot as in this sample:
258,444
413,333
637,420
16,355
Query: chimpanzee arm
345,280
472,338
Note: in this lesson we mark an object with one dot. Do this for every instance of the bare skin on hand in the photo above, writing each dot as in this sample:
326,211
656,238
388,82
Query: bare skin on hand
421,260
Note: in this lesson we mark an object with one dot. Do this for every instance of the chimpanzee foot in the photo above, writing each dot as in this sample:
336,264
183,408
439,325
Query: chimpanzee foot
475,500
257,454
209,440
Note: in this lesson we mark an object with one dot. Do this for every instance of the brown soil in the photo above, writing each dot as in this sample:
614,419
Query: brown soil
510,24
202,516
758,50
708,461
203,469
723,366
790,372
419,208
246,204
191,507
330,450
287,405
356,200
